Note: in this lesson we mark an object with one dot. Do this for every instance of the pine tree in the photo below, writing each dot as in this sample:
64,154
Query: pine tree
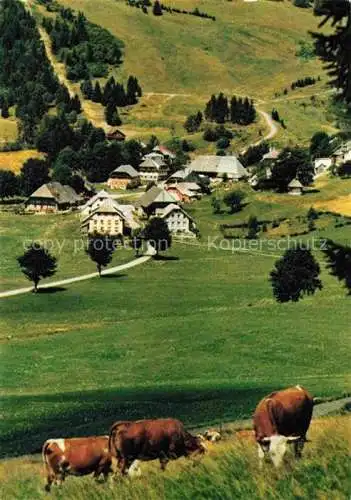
75,104
87,89
335,49
111,116
5,110
97,94
210,109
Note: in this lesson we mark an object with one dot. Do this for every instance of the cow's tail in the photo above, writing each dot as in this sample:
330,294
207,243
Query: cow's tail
111,439
44,454
113,449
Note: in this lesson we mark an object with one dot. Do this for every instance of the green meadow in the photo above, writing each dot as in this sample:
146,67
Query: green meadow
229,470
196,335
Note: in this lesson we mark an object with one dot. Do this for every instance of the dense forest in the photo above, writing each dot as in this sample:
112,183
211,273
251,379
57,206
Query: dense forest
87,49
27,79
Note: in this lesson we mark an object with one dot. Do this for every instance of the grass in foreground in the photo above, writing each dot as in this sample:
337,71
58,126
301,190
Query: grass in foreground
230,470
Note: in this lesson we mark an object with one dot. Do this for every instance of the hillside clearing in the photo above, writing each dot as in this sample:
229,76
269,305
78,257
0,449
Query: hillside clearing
14,160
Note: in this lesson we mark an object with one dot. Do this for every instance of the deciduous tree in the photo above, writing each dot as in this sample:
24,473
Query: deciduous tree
37,263
294,275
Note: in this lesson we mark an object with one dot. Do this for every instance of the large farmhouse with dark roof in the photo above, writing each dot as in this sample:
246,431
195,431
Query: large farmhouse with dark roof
52,197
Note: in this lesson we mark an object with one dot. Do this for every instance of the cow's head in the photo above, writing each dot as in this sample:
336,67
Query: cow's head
195,445
275,447
212,435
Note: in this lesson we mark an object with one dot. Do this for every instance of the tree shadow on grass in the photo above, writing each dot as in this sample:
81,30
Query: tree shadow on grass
51,289
92,412
114,275
165,257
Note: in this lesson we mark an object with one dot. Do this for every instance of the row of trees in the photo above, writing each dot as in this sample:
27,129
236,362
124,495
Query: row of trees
294,275
303,82
239,110
85,48
113,95
195,12
27,79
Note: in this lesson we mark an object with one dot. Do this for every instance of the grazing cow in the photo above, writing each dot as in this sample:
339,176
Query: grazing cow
280,418
76,456
162,439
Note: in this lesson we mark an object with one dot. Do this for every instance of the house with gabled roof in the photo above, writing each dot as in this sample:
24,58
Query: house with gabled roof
95,201
122,176
178,220
184,192
52,197
115,135
295,187
106,219
153,168
154,201
166,153
219,167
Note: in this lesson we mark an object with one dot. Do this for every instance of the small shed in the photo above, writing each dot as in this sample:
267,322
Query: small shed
295,187
115,135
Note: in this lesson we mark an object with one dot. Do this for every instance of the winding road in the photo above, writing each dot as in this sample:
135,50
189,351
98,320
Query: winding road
53,284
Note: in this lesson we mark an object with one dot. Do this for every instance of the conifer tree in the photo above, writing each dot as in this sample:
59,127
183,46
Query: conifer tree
335,49
97,94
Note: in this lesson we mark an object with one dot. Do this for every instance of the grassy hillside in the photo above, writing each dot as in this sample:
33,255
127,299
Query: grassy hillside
14,160
180,60
175,53
198,337
229,471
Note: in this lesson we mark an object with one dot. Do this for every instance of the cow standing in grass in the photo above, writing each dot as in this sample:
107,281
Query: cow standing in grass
281,418
76,456
160,439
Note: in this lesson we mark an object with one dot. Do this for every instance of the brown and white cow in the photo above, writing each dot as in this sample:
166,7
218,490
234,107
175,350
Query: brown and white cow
212,435
159,439
76,456
280,418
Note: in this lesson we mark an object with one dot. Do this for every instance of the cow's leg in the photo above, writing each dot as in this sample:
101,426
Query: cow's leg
163,461
260,456
124,464
49,480
298,447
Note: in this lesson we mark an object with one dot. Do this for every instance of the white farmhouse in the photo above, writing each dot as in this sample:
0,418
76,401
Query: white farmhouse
178,221
105,219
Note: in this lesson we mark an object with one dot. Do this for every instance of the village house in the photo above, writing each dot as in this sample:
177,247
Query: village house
271,155
165,152
184,192
122,176
179,176
178,221
153,168
115,135
219,167
321,165
98,199
295,187
342,154
94,202
52,197
154,201
106,219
